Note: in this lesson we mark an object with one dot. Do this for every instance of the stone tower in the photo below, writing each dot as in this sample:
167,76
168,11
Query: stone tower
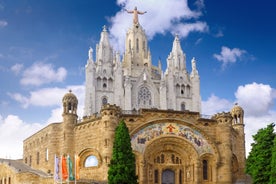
70,105
239,150
100,76
137,56
110,118
183,91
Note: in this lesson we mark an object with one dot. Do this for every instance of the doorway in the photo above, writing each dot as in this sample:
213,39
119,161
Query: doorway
168,177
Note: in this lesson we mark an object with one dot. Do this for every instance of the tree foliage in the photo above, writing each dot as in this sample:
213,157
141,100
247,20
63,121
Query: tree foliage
122,164
258,163
273,164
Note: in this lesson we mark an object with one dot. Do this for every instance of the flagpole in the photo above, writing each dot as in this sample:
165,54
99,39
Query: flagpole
68,168
75,170
61,169
55,168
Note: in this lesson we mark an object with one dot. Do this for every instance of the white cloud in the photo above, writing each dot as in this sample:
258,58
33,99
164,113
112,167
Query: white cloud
162,17
46,96
228,55
56,115
3,23
12,133
13,130
41,73
183,30
253,124
20,98
42,97
215,104
17,68
256,99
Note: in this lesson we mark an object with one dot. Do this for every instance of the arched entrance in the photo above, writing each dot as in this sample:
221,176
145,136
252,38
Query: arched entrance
169,160
168,177
171,149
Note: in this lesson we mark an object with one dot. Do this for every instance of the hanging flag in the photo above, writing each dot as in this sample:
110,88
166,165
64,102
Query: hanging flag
70,168
56,169
77,167
64,168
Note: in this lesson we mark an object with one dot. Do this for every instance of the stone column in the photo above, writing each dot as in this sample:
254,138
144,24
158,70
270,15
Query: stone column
197,173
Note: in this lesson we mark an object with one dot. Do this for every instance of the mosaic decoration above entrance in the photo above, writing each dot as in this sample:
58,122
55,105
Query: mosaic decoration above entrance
194,137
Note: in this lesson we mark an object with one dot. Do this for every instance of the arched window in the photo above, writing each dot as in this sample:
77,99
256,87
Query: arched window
30,163
156,175
144,97
104,101
173,161
188,90
144,45
158,159
162,158
180,176
182,89
183,108
104,83
37,158
137,45
91,161
205,169
129,45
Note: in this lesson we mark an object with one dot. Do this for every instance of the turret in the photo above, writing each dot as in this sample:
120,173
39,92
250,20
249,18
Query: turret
90,70
195,80
176,60
237,114
104,52
70,105
110,117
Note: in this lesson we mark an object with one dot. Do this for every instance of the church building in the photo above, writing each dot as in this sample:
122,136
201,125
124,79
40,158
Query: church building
172,142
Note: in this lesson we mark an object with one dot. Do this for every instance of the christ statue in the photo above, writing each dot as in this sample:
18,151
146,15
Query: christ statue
135,14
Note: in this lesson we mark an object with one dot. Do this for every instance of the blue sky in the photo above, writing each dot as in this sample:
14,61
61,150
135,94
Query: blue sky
44,45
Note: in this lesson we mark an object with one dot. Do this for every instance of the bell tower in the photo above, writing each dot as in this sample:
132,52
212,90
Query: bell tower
70,105
137,54
237,114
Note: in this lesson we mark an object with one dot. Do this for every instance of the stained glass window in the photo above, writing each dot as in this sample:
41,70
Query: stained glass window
144,97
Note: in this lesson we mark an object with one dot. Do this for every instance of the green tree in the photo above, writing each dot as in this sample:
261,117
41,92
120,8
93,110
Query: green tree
258,163
273,164
122,164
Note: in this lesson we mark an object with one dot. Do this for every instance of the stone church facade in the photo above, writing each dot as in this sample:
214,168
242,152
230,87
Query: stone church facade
172,142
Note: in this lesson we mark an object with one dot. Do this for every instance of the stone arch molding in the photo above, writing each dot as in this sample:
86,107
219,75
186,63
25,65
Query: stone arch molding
84,154
142,136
